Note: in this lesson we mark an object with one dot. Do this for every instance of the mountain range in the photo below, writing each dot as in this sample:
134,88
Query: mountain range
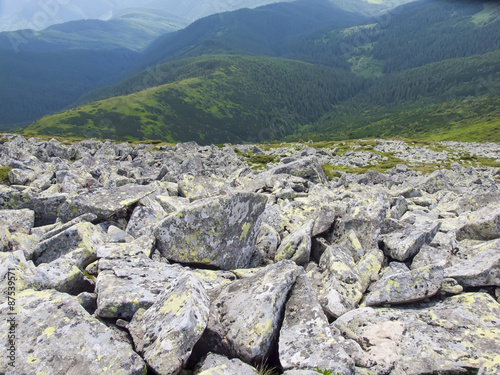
289,70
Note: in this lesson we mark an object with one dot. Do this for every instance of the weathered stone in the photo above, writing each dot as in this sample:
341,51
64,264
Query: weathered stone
405,244
245,317
60,337
105,203
6,243
166,333
88,301
199,187
305,339
481,269
15,274
456,335
406,287
17,220
428,255
83,235
143,219
267,243
368,268
451,286
117,235
231,225
172,204
55,229
296,246
65,274
125,286
483,224
308,168
215,364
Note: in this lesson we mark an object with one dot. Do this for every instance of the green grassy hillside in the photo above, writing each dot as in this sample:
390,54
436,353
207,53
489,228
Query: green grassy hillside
214,99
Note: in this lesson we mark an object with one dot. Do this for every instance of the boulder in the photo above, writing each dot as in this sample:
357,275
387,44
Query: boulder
296,246
214,364
307,168
83,235
246,315
406,243
166,333
406,287
124,286
15,274
17,220
456,335
483,225
60,337
305,339
219,232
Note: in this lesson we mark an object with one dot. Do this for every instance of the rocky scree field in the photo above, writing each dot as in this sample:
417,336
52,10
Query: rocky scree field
362,257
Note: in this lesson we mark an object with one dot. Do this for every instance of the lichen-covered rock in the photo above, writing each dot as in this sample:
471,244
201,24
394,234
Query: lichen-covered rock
429,255
451,286
305,339
166,333
245,316
17,220
65,274
125,286
215,364
267,243
199,187
481,269
142,219
405,244
296,246
218,232
456,335
83,235
15,273
105,203
308,168
483,224
406,287
60,337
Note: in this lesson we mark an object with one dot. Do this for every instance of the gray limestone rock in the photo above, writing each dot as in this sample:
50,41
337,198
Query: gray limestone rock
308,168
305,339
15,274
296,246
483,224
245,316
166,333
406,287
218,232
60,337
17,220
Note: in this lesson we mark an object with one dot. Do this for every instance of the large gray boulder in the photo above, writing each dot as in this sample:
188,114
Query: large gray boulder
55,335
125,286
457,335
17,220
219,232
245,316
406,287
306,340
214,364
166,333
483,224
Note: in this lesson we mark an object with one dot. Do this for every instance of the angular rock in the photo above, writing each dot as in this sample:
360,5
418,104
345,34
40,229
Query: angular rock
308,168
456,335
215,364
65,274
267,243
296,247
481,269
406,243
429,255
142,220
17,220
15,274
305,339
125,286
166,333
451,286
199,187
105,203
406,287
483,225
219,232
83,235
245,317
60,337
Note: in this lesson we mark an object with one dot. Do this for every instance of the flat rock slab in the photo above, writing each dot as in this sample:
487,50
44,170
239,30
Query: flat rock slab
123,287
245,317
219,232
166,333
406,243
57,336
406,287
481,269
215,364
457,335
484,224
306,340
83,235
106,203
